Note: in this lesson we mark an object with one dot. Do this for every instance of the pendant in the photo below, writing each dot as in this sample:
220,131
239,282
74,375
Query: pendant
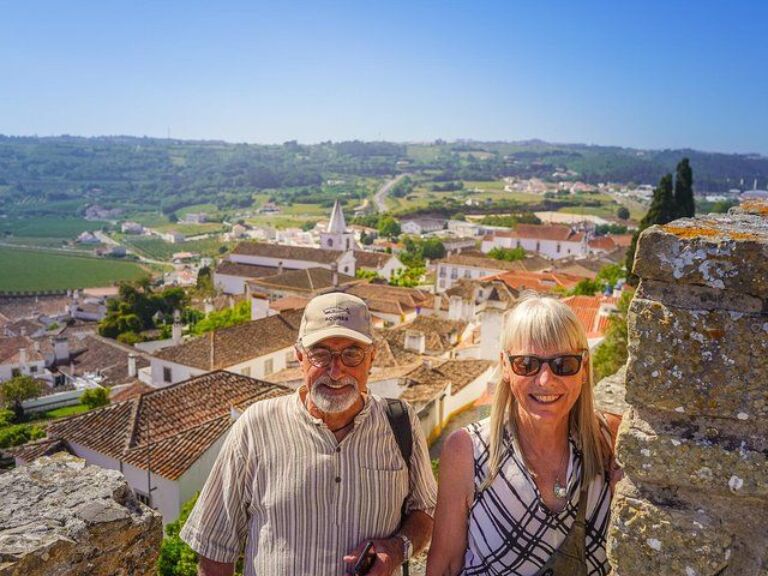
559,491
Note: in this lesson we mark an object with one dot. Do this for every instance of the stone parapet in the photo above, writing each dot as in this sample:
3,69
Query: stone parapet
62,518
694,445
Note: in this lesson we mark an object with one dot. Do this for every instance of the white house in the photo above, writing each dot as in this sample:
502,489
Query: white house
551,241
231,277
256,349
419,226
384,264
164,441
20,356
88,238
455,267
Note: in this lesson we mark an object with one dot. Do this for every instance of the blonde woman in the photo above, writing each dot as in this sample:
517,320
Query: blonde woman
527,492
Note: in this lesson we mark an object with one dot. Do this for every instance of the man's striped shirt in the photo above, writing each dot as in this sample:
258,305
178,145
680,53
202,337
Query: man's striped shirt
301,500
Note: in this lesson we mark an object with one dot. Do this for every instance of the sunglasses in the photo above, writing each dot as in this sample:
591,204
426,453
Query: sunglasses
322,357
529,365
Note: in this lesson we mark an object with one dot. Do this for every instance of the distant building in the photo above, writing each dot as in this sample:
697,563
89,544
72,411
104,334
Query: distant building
551,241
337,236
305,283
196,218
131,228
88,238
474,266
419,226
173,237
384,264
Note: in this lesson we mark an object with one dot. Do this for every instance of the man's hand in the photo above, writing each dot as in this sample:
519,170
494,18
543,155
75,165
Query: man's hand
389,555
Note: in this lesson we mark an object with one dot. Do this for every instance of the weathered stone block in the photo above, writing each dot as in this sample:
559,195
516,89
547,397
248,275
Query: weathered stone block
684,533
719,251
700,362
715,456
60,517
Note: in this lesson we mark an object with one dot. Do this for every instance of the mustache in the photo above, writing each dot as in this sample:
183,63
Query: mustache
326,380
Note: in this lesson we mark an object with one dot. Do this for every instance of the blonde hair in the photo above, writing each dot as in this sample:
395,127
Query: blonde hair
545,323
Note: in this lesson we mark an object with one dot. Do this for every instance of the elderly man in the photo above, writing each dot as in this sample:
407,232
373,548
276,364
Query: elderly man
307,479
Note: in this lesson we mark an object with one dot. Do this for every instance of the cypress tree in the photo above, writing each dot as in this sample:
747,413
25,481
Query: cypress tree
662,211
684,190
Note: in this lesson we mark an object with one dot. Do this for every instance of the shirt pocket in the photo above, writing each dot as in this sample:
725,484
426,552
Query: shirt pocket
382,493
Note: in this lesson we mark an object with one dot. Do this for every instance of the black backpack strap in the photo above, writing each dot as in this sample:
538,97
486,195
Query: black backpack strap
399,421
397,414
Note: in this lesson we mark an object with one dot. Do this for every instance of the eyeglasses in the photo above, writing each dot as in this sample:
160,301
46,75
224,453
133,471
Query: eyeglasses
529,365
322,357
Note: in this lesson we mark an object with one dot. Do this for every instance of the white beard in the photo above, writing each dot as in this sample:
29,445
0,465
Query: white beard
334,403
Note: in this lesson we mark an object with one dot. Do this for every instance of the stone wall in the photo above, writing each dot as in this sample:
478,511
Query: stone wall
694,444
60,517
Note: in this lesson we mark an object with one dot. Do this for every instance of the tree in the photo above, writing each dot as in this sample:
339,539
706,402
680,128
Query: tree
662,211
176,557
95,397
684,202
507,254
432,248
610,274
389,227
204,283
622,213
19,388
612,352
585,287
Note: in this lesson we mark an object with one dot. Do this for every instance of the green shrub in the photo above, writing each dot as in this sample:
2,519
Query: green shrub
176,558
17,434
95,397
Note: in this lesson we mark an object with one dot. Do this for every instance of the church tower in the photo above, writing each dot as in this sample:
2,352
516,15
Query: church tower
336,236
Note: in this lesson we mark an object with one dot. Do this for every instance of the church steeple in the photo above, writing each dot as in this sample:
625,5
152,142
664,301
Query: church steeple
336,236
337,224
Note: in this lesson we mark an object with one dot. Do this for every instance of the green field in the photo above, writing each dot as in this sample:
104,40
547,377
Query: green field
192,229
161,250
33,270
49,227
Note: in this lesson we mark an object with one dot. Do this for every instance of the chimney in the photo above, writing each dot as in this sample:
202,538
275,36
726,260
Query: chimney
60,350
176,328
36,346
427,363
259,306
207,306
23,331
23,356
132,372
455,308
415,341
280,267
335,275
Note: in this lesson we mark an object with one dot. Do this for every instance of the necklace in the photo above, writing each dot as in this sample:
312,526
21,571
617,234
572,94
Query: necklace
558,489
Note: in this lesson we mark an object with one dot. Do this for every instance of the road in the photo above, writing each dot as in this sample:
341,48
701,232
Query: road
380,196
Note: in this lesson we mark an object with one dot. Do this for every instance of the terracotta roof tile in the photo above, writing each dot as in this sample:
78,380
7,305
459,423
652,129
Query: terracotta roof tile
427,381
244,270
104,356
180,421
288,252
34,450
229,346
10,350
538,281
309,280
376,260
542,232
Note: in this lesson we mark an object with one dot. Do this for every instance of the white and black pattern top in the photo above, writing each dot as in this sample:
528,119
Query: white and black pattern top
510,530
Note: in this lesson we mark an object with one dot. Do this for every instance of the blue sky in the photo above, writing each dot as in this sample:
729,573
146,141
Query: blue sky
645,74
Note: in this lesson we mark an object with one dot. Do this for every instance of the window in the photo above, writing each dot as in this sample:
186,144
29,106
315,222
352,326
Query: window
467,273
32,369
167,374
441,272
143,498
246,371
518,243
442,283
290,360
346,269
347,243
558,248
330,241
454,273
15,372
538,246
268,369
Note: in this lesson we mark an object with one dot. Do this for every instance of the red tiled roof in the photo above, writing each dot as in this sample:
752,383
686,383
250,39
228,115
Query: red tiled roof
244,270
541,232
309,280
538,281
289,303
34,450
229,346
587,310
10,350
426,382
376,260
602,243
285,252
180,421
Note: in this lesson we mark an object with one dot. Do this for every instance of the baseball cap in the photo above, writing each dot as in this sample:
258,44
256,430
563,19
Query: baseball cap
335,314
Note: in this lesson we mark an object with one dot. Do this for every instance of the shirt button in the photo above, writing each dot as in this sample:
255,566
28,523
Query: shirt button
338,448
338,479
